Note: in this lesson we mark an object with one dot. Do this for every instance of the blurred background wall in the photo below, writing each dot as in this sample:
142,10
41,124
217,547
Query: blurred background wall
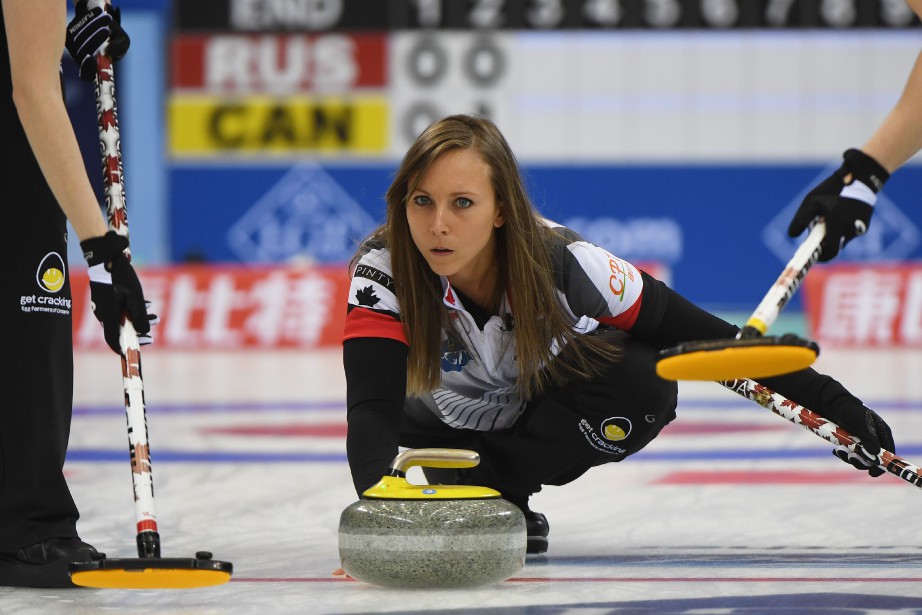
680,134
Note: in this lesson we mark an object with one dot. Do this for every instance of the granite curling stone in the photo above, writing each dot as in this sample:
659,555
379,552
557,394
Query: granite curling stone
431,536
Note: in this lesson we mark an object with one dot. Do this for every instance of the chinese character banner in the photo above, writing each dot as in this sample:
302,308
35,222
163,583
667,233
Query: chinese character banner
232,307
865,305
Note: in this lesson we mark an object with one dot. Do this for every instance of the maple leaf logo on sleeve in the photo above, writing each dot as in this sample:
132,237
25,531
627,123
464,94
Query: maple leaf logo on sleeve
366,297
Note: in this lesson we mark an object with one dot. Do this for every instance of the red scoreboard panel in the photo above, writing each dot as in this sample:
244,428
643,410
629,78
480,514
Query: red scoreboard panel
283,62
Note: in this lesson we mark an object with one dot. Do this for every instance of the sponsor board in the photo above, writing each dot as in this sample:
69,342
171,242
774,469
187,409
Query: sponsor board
232,307
205,307
275,214
704,224
865,305
306,215
209,125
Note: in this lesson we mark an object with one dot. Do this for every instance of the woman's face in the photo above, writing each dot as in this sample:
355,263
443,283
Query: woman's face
453,216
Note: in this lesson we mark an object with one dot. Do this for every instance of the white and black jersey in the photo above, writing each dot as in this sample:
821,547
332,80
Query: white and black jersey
478,364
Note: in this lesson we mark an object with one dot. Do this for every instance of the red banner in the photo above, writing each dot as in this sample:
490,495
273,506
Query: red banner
851,305
233,306
207,307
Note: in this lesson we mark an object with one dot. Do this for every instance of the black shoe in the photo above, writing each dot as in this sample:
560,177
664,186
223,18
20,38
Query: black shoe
45,563
537,528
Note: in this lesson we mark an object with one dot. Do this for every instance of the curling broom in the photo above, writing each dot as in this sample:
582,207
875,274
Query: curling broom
149,570
751,354
824,428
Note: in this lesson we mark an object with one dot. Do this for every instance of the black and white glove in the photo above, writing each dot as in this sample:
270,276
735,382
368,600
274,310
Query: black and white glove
89,30
846,207
115,289
865,424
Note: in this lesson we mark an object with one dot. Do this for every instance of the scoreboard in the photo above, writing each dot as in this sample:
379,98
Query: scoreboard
317,15
676,132
590,79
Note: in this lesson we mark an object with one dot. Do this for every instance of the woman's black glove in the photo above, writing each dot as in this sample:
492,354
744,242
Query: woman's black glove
854,417
846,207
89,30
115,289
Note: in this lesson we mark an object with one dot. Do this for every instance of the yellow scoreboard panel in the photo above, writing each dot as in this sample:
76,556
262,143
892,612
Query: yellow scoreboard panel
208,125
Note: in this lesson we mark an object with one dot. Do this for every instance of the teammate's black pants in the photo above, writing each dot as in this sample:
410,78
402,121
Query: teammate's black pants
36,366
562,433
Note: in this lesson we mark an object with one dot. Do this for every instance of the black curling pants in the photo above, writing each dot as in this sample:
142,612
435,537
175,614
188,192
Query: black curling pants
36,361
562,433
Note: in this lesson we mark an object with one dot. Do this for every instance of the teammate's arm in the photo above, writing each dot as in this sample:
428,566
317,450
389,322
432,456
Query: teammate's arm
899,137
846,199
35,33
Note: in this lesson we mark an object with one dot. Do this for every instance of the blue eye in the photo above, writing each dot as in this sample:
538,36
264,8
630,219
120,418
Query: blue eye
464,203
421,199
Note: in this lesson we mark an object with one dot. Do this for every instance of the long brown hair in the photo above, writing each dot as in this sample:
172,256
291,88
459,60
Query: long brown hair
524,262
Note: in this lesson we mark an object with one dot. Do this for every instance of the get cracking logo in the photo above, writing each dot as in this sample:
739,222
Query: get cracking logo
616,428
613,430
50,273
50,277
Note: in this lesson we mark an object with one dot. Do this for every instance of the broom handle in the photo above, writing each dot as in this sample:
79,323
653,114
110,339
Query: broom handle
148,538
823,428
786,285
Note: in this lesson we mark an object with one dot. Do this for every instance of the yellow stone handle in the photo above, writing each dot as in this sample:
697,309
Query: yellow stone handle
435,458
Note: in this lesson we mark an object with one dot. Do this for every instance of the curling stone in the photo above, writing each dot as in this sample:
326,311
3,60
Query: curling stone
431,536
